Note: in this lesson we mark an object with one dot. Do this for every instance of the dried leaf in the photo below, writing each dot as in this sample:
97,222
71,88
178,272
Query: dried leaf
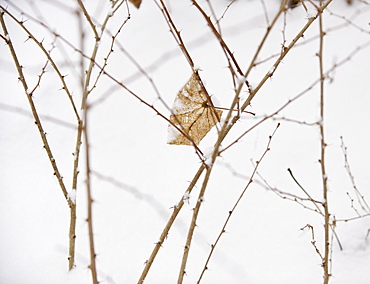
192,113
136,3
293,3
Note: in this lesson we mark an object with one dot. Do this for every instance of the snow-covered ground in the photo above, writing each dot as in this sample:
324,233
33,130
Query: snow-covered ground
137,178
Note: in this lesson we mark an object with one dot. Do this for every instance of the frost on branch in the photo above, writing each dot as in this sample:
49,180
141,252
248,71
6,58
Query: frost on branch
208,152
72,195
193,113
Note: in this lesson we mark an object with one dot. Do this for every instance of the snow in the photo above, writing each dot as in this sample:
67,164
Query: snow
186,196
173,133
110,13
216,102
208,152
311,15
263,242
272,70
72,196
240,79
178,105
201,199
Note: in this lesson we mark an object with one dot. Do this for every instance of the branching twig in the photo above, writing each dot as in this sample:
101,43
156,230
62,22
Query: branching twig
308,195
222,43
83,129
223,229
313,241
89,83
189,238
38,123
282,55
226,127
33,108
322,213
168,226
47,54
290,196
360,198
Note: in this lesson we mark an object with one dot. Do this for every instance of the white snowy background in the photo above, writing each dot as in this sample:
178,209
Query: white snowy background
137,177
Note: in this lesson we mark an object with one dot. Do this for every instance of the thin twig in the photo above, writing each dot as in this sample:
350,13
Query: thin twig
313,241
327,244
223,229
82,130
221,41
192,226
226,127
229,122
360,198
176,33
332,225
289,196
38,123
305,191
282,55
171,220
33,109
47,54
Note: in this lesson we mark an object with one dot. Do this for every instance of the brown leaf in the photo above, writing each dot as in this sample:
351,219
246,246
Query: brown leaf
193,113
136,3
